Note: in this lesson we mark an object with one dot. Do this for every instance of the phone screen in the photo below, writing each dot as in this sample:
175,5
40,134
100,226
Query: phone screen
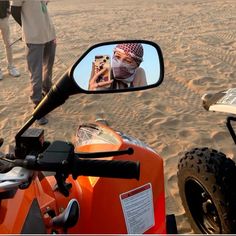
101,62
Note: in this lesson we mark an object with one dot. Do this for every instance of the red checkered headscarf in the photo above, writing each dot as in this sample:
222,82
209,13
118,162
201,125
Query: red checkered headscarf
135,50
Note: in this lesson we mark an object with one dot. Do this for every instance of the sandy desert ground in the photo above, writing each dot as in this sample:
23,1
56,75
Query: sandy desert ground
198,40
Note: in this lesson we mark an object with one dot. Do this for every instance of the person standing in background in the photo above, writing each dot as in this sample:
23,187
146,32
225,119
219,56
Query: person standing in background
5,31
38,33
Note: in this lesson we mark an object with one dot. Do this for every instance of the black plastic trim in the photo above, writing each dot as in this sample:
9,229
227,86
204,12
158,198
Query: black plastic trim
171,226
230,127
34,222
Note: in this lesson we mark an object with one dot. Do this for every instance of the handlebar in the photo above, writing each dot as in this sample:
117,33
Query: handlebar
78,167
106,168
60,158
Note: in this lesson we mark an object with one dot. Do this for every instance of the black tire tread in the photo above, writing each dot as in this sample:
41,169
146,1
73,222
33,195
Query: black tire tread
217,173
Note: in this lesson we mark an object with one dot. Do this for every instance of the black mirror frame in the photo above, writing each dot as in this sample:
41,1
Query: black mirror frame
159,52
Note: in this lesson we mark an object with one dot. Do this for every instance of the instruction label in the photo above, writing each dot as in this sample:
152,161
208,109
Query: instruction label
137,206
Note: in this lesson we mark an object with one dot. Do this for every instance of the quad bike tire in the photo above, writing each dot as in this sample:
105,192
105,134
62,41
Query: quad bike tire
207,188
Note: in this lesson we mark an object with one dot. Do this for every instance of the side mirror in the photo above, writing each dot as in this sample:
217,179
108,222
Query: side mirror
119,66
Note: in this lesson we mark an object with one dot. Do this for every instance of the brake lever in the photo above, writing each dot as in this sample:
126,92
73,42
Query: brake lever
128,151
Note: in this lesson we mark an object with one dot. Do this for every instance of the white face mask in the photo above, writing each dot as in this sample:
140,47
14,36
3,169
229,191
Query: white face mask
123,71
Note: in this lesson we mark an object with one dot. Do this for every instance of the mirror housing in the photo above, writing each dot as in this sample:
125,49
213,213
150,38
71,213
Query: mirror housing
69,85
151,65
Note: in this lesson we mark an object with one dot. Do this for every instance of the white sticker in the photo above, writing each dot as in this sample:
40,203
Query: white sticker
137,206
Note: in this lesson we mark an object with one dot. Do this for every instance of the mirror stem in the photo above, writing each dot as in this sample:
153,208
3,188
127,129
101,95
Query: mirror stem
55,97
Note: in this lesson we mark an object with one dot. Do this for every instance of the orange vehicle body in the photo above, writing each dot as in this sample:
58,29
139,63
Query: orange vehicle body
101,211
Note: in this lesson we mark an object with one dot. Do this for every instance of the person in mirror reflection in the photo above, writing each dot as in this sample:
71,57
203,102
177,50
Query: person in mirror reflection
39,35
5,32
125,69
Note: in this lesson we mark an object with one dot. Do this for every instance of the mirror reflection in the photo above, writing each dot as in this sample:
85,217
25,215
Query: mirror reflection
118,66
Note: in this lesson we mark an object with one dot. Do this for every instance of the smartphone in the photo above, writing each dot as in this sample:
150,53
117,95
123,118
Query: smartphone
103,61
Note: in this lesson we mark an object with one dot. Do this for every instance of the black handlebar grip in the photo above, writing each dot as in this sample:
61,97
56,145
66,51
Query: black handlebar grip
106,168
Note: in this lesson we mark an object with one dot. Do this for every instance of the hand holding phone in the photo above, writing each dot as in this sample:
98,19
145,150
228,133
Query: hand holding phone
101,62
100,75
